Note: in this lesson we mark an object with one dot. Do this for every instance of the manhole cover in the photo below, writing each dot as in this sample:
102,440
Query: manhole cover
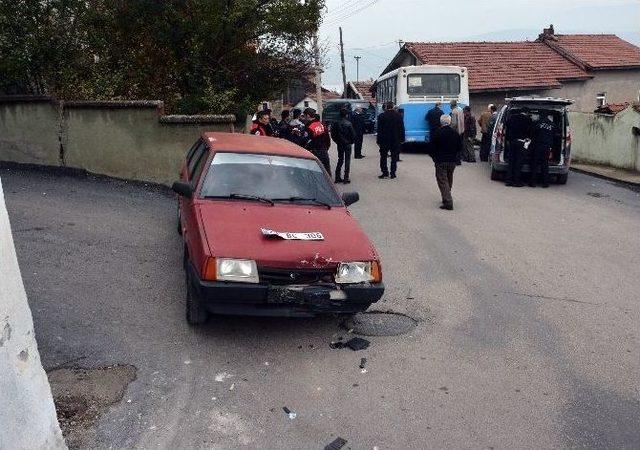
378,323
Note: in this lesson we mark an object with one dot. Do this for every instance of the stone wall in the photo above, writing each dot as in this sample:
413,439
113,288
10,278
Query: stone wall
124,139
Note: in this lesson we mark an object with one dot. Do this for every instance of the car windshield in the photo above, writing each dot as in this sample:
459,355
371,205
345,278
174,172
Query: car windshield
268,177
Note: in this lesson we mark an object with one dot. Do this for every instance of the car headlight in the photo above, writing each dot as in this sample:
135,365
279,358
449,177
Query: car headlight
241,270
358,272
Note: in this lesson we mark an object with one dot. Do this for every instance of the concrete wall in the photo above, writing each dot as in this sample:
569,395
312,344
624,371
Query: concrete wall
131,140
27,413
29,132
620,86
605,139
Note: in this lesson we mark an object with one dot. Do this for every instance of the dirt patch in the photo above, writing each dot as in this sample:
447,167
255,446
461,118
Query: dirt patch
81,395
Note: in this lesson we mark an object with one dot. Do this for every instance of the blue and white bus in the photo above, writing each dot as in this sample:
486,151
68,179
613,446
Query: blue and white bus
416,89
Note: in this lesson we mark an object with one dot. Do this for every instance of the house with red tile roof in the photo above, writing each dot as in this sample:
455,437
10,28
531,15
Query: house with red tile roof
591,69
360,90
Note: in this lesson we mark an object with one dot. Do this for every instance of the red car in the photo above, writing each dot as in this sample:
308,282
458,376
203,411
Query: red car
266,233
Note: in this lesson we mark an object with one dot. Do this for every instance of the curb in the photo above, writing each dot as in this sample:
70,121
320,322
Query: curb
629,184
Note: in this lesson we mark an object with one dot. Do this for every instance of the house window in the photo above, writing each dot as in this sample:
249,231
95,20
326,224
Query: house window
306,103
601,99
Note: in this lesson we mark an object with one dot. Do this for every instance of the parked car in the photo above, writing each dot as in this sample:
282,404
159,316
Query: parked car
560,157
331,111
266,233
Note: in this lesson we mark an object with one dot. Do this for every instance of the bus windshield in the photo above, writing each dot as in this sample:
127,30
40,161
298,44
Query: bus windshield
433,84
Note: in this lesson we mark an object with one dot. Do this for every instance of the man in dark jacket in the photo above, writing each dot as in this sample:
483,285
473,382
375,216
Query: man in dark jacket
358,122
469,135
343,135
446,147
317,137
433,119
518,132
390,136
543,133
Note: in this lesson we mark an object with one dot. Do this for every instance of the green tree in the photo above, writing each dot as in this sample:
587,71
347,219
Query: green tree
197,55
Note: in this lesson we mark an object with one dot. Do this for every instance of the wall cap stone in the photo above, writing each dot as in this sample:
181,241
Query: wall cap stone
25,99
198,119
115,104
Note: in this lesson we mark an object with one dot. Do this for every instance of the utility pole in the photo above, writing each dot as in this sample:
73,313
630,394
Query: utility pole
318,77
344,73
357,58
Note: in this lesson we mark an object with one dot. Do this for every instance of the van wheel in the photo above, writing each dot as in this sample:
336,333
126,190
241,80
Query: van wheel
562,178
196,312
496,175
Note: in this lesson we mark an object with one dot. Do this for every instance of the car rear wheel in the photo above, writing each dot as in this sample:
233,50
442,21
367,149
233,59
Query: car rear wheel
196,312
562,178
496,175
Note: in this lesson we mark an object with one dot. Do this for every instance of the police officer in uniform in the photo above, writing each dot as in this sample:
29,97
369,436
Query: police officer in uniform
543,132
518,131
317,136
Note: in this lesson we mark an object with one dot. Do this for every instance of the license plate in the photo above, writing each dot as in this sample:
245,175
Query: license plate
290,236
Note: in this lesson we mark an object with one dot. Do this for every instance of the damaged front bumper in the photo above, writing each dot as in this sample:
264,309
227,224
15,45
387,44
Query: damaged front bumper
300,300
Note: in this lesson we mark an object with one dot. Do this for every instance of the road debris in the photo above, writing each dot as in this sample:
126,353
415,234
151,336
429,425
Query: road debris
354,344
337,444
292,415
363,362
220,377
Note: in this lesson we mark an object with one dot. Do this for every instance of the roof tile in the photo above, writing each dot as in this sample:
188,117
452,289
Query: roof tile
597,51
502,65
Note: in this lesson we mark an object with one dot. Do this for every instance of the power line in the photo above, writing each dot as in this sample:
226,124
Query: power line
352,13
344,8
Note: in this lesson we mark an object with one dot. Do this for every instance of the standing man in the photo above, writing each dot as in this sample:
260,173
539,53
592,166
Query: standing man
261,126
483,121
317,137
390,136
543,132
343,135
457,124
469,137
358,122
446,148
433,119
518,132
284,130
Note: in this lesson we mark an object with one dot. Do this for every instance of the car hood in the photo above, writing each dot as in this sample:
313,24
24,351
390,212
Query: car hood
233,229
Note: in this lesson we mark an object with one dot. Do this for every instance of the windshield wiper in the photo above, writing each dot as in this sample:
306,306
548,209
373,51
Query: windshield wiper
302,199
243,197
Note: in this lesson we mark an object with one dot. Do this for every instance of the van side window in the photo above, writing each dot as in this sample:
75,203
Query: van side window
197,157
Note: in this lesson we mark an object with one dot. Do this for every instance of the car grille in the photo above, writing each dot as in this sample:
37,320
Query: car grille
284,277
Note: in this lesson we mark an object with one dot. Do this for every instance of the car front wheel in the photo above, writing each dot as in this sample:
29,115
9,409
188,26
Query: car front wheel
197,314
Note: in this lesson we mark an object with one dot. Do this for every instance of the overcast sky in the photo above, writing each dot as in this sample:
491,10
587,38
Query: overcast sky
371,28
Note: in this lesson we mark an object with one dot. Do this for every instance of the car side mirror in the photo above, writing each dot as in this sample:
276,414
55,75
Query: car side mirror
349,198
183,189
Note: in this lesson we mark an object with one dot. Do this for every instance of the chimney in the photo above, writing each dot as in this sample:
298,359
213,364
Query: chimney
547,33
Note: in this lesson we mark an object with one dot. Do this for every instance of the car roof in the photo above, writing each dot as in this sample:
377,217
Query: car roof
548,100
248,143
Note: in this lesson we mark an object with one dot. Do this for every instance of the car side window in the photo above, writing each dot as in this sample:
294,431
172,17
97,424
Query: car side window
192,150
195,158
199,165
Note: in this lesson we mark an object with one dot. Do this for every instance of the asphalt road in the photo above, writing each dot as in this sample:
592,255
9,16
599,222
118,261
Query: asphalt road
527,301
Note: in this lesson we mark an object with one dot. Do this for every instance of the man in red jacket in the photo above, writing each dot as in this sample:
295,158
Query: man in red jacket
261,125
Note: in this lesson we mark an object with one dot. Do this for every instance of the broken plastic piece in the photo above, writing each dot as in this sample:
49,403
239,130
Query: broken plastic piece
289,413
337,444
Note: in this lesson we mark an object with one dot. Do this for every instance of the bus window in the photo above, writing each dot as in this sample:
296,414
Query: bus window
433,84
